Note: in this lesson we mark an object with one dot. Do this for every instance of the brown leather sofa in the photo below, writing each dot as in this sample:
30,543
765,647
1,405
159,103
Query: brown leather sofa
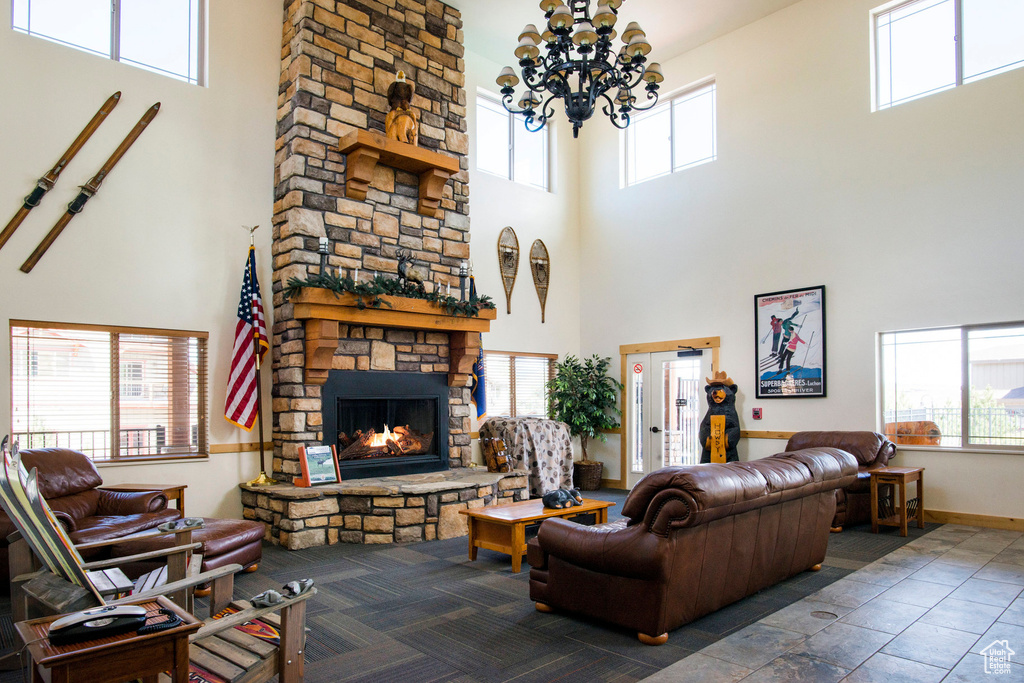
69,482
872,450
693,539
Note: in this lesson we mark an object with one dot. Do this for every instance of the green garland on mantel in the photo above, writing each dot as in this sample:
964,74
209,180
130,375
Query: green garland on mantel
368,293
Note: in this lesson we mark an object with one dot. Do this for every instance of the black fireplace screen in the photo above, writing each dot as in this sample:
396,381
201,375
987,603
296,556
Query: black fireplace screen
386,427
386,423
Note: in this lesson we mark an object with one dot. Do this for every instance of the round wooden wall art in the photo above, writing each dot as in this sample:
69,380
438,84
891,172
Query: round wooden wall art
508,262
540,266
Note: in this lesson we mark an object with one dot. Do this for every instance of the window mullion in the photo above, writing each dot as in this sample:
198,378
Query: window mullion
958,39
512,147
115,30
512,385
115,396
965,389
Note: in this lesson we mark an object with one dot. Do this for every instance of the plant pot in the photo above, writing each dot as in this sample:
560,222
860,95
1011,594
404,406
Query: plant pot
586,474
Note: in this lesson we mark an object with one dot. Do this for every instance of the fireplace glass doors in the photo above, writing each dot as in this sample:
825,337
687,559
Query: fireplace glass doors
386,423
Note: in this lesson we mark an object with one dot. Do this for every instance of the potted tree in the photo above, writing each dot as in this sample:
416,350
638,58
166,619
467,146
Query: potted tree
582,395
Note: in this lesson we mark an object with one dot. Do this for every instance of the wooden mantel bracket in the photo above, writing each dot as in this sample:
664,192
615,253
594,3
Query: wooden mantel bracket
322,312
365,149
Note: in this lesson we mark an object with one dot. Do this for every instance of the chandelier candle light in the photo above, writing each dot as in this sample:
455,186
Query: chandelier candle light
581,66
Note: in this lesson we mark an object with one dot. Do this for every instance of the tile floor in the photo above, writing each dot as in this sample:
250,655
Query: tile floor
925,612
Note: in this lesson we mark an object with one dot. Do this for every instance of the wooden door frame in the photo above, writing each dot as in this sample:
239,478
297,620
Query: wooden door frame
698,344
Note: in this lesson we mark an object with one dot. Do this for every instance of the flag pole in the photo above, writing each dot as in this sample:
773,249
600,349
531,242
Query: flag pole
263,479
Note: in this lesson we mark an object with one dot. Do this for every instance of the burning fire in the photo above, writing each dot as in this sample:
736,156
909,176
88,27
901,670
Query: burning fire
381,440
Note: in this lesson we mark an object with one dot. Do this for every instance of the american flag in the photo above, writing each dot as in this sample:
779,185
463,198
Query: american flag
240,406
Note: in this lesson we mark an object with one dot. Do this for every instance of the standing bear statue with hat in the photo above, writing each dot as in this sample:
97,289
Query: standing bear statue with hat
720,428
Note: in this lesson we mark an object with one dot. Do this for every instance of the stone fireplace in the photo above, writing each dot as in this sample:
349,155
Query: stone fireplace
337,177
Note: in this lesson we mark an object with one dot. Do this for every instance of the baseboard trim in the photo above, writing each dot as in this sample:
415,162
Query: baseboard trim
968,519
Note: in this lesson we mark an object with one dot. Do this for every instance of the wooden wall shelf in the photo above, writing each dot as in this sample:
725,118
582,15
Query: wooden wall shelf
322,312
365,149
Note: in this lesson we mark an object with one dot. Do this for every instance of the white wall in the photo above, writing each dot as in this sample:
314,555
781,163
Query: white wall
534,214
911,217
160,244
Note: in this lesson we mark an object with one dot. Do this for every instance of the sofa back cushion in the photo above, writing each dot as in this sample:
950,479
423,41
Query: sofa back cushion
870,448
62,471
712,491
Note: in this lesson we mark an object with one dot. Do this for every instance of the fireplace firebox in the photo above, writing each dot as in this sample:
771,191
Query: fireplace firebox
386,423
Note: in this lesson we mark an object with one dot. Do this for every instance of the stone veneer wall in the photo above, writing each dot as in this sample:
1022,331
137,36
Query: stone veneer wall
338,59
423,508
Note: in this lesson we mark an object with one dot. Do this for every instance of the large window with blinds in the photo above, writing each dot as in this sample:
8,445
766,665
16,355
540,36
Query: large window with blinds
517,383
113,393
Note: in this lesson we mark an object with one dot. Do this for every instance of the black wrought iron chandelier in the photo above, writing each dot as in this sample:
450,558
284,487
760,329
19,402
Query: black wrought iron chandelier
581,66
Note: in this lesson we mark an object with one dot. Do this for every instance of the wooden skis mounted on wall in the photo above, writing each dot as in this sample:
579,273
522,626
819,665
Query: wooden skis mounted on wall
508,263
90,188
46,183
540,266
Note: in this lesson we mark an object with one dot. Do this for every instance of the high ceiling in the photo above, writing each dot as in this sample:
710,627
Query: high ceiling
672,26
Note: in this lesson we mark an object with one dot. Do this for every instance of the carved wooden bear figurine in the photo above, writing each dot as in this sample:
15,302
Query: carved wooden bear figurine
562,498
720,429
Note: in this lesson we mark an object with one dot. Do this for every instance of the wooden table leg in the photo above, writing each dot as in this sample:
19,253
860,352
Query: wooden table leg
518,546
920,500
602,516
472,539
903,506
874,505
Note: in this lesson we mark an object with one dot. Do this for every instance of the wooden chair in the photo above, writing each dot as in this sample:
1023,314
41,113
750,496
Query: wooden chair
70,584
227,647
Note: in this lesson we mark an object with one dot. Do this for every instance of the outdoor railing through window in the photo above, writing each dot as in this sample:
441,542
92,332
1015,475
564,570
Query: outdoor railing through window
992,426
96,442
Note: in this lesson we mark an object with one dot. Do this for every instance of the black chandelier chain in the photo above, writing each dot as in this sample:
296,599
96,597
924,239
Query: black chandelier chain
580,67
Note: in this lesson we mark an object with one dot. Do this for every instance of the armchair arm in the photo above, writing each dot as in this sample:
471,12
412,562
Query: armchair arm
117,503
605,548
141,557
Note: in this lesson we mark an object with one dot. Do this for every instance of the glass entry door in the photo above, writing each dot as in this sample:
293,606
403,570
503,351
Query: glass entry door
664,406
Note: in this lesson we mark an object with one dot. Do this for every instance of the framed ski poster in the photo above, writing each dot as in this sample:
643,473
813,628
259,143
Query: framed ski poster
789,342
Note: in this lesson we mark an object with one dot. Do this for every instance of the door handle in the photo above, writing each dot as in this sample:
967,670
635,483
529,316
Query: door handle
655,430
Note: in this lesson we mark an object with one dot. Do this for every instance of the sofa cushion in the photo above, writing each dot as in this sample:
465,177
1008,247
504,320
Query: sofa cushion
62,471
92,529
713,491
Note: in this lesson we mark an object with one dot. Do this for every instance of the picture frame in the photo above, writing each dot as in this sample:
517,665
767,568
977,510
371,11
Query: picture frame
789,343
319,466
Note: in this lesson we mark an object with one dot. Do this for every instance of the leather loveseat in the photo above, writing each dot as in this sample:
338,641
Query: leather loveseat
872,450
693,539
69,482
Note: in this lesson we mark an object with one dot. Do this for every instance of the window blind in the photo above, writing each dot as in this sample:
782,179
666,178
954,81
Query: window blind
517,384
111,393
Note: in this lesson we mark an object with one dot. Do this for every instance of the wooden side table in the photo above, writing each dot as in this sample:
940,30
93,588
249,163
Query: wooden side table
503,527
111,660
175,492
898,477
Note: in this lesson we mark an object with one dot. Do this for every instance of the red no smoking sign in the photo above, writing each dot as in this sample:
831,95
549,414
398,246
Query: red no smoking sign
638,368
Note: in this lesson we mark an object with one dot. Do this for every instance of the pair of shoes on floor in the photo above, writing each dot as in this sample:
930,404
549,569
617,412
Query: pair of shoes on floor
292,589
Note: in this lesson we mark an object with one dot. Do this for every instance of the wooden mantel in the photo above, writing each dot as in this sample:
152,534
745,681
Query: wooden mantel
322,312
365,149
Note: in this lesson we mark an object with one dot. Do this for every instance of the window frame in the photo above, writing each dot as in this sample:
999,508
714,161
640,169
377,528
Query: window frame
513,121
966,445
958,49
552,359
115,42
116,433
669,101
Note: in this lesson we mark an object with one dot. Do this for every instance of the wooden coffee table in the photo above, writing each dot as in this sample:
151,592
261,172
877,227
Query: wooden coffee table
503,527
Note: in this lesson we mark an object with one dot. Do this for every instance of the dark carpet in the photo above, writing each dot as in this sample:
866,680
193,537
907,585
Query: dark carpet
423,612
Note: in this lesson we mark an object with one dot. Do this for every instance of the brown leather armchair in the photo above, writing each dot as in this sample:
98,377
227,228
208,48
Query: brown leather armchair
693,539
69,482
871,449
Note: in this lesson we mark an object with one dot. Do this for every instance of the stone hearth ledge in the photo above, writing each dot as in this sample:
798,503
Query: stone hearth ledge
399,509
